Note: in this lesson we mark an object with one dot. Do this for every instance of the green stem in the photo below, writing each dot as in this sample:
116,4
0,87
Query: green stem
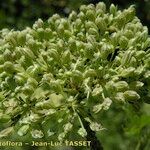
91,135
44,138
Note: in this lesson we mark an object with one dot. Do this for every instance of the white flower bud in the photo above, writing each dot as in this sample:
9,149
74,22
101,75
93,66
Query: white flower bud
82,132
37,134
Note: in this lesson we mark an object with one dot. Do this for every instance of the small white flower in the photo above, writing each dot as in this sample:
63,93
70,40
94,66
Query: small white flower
37,134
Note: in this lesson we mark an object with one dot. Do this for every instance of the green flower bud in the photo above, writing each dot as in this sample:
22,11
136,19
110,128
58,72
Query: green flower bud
54,54
126,59
136,85
133,62
123,42
2,97
100,71
23,130
121,86
120,97
32,82
88,51
131,95
43,105
83,8
139,71
3,74
90,24
4,118
90,14
28,53
28,90
65,24
72,44
113,9
80,36
72,16
3,85
99,13
129,34
56,100
106,49
140,54
120,21
9,67
20,78
47,77
90,7
2,59
66,57
38,24
1,68
40,32
144,37
147,43
127,72
35,70
34,45
91,39
147,75
6,132
77,75
60,29
101,24
11,39
82,16
17,89
129,13
54,18
7,55
93,32
101,6
115,38
67,34
48,34
56,86
89,73
110,86
21,38
17,53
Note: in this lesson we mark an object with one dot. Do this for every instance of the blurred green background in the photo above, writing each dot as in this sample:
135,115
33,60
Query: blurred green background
18,14
125,130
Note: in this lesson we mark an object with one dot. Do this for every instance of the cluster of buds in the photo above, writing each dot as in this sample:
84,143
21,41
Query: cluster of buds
54,71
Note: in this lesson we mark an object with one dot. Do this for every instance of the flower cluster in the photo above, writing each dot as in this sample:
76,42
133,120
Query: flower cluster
57,71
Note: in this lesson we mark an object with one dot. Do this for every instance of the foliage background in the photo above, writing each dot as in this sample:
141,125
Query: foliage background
20,13
124,128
